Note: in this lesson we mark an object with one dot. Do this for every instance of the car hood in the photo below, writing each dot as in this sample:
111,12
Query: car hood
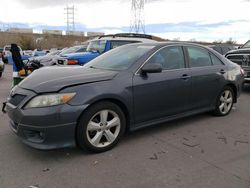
239,51
81,54
52,79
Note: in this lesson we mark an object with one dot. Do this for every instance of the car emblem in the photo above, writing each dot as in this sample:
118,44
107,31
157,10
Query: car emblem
245,60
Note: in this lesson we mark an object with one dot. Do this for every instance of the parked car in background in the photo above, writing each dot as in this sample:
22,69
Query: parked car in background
46,60
127,88
1,67
38,52
241,56
28,52
222,48
52,57
101,45
1,52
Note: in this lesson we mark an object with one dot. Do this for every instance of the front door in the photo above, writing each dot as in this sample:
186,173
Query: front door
158,95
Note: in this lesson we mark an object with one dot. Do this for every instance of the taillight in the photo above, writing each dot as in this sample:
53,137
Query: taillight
242,71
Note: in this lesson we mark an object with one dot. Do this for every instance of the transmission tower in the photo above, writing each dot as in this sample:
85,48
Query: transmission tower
70,17
137,24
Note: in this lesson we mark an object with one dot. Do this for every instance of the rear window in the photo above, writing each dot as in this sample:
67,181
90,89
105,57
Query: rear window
198,57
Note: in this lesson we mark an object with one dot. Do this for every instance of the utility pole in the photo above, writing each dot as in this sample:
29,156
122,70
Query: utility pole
137,24
70,17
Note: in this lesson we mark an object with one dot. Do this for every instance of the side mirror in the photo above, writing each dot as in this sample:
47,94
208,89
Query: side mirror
151,68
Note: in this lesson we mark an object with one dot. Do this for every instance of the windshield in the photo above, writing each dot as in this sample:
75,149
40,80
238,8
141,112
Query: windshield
97,46
71,50
120,58
246,45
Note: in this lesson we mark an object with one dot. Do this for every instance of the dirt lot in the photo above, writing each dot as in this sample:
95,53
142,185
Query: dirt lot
200,151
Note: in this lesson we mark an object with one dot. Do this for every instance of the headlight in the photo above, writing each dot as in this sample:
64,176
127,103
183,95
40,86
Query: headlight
49,100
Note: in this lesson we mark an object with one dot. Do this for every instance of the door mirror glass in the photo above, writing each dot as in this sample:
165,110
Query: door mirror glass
151,68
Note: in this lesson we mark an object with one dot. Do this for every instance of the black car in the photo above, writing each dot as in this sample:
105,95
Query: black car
241,56
128,88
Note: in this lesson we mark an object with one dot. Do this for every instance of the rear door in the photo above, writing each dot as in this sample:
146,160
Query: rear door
158,95
207,76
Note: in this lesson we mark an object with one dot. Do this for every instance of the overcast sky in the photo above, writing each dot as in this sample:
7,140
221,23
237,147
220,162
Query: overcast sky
205,20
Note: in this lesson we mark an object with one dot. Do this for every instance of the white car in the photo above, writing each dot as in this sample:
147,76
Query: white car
28,52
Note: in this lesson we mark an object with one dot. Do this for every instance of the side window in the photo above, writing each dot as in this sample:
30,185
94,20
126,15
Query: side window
115,44
198,57
216,60
169,58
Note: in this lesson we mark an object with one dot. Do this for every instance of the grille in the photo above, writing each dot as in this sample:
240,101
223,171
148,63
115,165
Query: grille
16,99
241,60
248,75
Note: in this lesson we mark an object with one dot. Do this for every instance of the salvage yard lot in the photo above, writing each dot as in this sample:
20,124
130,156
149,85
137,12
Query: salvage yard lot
200,151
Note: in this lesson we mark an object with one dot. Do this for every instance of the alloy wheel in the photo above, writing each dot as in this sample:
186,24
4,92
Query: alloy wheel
226,102
103,128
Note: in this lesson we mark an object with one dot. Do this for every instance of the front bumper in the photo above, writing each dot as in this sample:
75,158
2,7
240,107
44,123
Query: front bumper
247,74
44,128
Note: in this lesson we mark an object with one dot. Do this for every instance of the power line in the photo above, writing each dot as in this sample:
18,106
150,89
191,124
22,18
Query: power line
137,24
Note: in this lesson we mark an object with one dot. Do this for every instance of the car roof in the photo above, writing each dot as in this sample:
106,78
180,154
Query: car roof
127,37
169,43
124,39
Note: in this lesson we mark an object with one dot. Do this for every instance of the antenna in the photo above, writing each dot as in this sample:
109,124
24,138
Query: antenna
137,21
70,16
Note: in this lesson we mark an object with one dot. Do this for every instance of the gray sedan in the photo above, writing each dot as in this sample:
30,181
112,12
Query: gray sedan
128,88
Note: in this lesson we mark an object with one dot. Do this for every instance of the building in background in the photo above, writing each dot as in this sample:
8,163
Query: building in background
93,34
75,33
53,32
20,30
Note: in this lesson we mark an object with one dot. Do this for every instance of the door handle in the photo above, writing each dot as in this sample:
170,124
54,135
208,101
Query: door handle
185,77
222,71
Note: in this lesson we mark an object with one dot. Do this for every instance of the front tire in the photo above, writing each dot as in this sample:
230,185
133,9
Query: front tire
224,102
100,127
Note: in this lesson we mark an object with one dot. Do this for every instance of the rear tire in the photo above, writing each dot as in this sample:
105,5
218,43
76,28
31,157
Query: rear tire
224,102
100,127
1,74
